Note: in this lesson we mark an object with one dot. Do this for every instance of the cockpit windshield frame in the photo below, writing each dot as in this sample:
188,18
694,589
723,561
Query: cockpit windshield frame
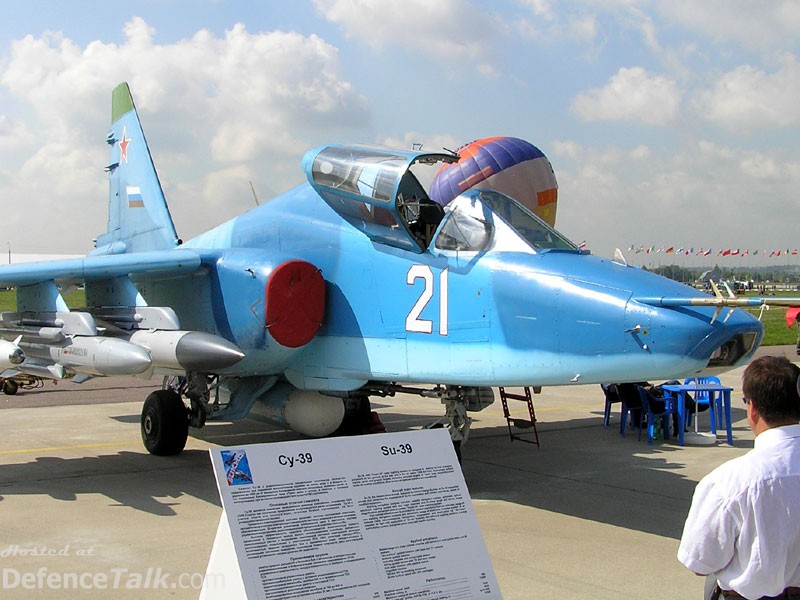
476,220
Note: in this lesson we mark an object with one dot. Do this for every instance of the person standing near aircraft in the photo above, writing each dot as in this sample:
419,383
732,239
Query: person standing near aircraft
743,527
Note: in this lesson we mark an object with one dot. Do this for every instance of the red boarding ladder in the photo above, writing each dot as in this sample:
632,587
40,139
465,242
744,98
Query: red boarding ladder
520,423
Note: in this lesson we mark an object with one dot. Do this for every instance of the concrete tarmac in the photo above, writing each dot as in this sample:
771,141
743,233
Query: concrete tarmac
587,515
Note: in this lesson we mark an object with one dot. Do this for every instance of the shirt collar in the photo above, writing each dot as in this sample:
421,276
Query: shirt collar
776,435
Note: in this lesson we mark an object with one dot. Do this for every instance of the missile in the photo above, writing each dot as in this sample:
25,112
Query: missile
94,355
139,351
187,350
11,355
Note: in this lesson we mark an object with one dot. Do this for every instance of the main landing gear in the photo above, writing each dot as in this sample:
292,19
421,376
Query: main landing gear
166,418
187,401
165,423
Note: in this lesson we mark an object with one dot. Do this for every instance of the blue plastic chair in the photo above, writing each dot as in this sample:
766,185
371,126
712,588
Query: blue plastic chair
701,397
650,410
612,397
631,406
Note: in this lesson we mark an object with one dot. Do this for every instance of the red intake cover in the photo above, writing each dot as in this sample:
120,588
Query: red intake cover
295,303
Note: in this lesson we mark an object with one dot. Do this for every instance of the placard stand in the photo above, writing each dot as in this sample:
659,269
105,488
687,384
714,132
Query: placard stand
376,517
223,580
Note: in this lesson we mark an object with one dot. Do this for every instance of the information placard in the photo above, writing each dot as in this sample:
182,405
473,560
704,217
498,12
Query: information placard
376,517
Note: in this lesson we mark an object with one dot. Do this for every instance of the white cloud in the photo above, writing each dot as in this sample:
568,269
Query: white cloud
451,30
544,21
641,152
758,167
634,95
588,22
583,27
254,100
540,8
13,134
750,98
764,24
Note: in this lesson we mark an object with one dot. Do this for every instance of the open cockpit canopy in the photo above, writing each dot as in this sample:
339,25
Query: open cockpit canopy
375,190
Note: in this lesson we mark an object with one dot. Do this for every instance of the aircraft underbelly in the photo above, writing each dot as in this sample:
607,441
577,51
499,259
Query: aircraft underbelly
343,363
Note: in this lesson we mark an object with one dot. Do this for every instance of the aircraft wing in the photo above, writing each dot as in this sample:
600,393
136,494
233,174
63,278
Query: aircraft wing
99,267
120,334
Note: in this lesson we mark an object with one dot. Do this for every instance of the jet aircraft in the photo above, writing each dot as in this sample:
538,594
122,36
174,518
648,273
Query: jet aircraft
352,285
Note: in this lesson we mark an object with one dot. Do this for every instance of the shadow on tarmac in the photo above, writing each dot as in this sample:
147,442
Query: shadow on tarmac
588,472
581,470
130,479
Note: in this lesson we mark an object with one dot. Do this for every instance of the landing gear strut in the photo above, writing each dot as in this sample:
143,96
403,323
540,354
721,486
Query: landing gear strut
456,399
455,415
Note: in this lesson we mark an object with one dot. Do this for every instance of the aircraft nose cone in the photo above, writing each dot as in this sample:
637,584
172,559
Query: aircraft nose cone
693,338
732,344
199,351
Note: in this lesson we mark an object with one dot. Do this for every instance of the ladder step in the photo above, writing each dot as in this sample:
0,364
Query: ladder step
520,423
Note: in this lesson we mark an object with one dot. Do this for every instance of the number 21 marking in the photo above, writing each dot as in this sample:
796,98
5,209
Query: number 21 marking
413,320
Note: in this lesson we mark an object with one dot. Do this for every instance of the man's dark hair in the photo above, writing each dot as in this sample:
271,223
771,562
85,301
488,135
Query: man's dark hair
770,383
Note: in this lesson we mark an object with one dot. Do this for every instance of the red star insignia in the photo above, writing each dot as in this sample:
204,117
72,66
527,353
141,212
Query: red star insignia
123,147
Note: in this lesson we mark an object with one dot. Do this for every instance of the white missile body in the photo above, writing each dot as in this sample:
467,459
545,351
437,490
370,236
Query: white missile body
94,355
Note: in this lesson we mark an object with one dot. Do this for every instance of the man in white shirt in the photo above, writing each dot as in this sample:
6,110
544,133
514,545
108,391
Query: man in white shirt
743,528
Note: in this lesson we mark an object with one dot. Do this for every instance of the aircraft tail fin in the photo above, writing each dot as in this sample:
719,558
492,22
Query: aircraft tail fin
138,217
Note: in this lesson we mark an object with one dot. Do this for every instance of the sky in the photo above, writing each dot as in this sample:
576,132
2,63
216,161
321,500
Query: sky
668,124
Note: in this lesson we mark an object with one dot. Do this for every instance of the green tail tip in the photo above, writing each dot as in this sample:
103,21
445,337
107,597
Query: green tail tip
121,101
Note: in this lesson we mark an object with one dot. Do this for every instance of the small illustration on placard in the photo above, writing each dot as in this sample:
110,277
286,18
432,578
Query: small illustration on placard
237,469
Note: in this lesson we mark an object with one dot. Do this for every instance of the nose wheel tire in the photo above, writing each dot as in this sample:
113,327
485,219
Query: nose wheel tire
10,387
165,423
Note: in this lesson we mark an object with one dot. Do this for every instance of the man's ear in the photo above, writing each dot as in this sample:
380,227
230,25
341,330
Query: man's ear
752,414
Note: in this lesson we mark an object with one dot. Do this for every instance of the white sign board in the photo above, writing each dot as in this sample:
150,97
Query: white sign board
378,516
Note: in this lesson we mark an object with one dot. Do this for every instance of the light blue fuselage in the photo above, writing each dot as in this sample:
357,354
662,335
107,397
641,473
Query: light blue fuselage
509,318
